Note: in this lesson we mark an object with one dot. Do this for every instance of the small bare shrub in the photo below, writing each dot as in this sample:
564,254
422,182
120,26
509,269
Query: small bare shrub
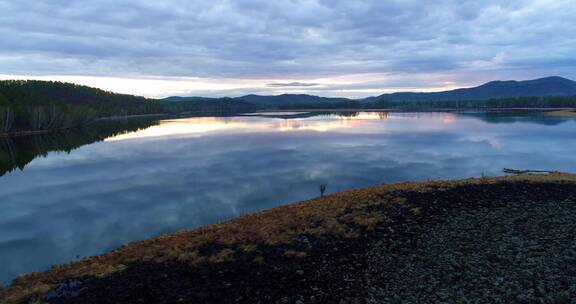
323,189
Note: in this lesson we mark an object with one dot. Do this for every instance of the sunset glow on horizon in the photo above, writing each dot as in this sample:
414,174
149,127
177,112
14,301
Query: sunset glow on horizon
349,49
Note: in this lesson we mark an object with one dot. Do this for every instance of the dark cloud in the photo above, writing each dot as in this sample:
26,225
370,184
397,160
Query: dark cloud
460,41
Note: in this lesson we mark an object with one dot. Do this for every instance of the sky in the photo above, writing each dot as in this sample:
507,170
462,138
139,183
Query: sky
324,47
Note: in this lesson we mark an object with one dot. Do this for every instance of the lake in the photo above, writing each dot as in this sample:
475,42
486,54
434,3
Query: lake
65,197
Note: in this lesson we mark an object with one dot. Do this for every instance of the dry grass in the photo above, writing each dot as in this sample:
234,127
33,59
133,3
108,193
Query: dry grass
342,214
295,254
226,255
562,113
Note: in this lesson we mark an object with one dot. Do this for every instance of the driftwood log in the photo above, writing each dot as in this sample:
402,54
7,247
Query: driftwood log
514,171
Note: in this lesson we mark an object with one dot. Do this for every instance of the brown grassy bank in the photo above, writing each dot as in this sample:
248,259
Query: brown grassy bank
562,113
348,215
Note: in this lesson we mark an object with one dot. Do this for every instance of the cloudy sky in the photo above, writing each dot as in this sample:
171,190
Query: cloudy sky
324,47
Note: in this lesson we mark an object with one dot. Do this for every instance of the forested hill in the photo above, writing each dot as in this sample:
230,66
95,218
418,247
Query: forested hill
38,92
543,87
46,105
19,94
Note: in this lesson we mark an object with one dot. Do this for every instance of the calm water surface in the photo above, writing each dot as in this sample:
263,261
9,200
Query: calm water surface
186,173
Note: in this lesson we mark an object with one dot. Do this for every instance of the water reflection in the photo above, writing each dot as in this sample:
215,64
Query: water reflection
17,152
528,116
183,173
282,122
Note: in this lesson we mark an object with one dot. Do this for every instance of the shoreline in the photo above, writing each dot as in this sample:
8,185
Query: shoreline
99,119
30,133
38,132
553,112
566,113
424,110
317,251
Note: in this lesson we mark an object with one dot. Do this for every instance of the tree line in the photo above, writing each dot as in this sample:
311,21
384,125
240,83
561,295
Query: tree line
504,103
31,105
541,102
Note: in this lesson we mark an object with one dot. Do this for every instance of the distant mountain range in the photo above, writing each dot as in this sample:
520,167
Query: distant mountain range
185,99
285,99
548,86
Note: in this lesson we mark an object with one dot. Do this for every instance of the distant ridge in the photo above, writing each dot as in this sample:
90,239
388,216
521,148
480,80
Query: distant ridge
542,87
289,99
548,86
186,99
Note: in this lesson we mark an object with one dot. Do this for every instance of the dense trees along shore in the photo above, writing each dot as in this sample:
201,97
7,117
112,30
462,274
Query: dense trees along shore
29,106
40,106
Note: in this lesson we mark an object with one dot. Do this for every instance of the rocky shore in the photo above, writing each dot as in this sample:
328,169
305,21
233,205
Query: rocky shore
490,240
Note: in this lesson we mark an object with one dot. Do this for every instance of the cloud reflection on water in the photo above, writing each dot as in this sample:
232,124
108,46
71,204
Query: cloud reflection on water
190,172
201,126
